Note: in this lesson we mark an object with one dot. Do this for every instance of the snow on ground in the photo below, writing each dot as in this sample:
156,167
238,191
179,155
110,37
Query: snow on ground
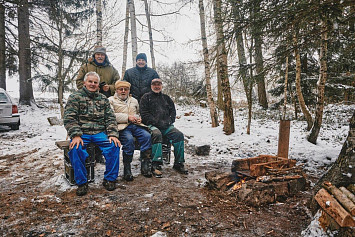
36,134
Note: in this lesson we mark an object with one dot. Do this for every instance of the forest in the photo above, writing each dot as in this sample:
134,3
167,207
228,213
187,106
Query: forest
254,62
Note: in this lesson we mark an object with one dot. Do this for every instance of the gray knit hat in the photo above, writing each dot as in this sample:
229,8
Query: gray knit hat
100,49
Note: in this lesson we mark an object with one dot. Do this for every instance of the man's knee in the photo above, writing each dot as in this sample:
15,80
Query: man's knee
157,137
177,135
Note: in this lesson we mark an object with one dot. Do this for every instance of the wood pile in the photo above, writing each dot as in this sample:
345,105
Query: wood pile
337,206
260,180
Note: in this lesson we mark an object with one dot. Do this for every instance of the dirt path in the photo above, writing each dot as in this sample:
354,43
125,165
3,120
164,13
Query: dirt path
35,200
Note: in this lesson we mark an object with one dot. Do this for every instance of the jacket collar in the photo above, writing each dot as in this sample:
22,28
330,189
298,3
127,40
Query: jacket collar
91,94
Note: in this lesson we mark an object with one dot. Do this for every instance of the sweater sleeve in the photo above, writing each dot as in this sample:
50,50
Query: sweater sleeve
110,120
71,117
172,110
146,116
80,78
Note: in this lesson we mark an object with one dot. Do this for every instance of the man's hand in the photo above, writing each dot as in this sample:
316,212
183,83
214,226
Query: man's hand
76,141
115,140
105,87
134,119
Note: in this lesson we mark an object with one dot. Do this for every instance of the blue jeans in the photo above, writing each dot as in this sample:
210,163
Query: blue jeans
109,150
127,138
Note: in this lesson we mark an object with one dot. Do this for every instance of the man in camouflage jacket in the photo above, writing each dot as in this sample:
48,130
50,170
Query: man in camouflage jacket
88,117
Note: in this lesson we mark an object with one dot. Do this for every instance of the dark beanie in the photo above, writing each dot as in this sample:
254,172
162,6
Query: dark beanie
141,56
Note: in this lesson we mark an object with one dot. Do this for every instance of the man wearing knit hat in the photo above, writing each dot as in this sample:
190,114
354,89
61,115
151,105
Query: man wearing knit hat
140,77
126,110
100,64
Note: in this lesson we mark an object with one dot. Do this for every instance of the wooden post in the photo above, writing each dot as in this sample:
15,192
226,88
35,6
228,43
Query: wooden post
284,138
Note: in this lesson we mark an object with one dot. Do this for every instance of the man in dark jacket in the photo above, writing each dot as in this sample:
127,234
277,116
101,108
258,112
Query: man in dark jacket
100,64
140,77
158,112
88,117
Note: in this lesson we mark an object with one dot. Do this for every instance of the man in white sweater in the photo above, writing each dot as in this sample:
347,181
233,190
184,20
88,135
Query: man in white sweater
126,109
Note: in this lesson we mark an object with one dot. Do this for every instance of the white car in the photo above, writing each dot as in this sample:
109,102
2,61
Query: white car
9,115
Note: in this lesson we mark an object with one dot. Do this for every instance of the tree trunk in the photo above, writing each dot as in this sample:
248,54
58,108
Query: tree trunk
213,112
220,102
2,47
342,171
125,41
26,91
99,22
285,90
303,105
260,75
147,13
247,84
321,85
132,13
228,121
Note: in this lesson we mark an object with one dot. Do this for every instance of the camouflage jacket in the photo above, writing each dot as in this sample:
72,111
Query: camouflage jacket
90,113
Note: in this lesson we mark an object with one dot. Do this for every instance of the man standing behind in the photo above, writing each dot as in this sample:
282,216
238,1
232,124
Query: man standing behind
100,64
88,117
130,125
140,77
158,112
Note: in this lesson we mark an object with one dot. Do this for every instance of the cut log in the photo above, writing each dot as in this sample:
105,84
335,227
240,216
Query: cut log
334,209
348,194
341,197
244,164
261,168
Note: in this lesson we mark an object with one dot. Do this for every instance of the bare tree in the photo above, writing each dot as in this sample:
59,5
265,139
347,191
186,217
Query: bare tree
99,22
147,13
321,84
132,13
125,40
259,62
210,100
26,91
247,81
301,101
228,121
2,47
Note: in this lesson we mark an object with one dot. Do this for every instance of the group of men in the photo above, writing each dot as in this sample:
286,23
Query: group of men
112,113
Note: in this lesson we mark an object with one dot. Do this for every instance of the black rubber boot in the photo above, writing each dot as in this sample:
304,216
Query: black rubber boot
179,167
82,189
127,174
146,163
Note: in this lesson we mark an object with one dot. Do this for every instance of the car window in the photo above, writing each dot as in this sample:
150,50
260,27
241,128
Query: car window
3,98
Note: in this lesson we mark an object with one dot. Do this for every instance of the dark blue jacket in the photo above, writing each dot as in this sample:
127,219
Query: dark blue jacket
140,79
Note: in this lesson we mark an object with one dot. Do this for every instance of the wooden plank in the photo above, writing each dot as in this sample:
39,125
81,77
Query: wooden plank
261,168
331,206
341,197
63,144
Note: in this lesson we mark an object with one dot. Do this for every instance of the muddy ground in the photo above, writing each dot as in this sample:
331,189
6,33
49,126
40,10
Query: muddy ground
35,200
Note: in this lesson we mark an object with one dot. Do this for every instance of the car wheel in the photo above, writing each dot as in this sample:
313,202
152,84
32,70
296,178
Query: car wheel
15,126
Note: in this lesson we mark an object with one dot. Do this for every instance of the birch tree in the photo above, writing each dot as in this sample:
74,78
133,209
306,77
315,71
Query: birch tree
147,13
99,22
321,84
211,104
132,13
125,40
228,120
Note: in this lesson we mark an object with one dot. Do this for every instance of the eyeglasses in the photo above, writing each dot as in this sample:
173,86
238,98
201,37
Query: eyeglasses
123,89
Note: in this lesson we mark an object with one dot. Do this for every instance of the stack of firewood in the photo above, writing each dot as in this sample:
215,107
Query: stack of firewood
338,206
